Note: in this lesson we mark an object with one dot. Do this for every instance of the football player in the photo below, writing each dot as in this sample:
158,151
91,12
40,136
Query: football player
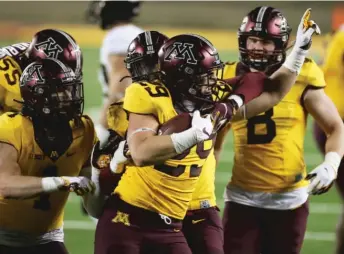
45,43
141,62
115,17
334,75
266,205
153,196
43,150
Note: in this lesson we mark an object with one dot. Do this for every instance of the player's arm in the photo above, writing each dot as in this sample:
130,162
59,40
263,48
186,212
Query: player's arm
117,86
93,201
12,183
320,106
16,186
148,148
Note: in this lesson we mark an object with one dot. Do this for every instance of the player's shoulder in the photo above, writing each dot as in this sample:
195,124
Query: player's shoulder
13,120
13,127
9,61
10,74
311,74
117,118
146,97
14,50
153,90
230,70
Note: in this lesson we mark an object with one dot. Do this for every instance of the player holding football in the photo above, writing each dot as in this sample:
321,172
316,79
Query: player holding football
43,150
150,201
333,71
141,62
115,17
13,59
266,205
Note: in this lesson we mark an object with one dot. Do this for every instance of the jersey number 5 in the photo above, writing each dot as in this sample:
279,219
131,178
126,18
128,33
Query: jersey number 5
43,203
12,78
252,137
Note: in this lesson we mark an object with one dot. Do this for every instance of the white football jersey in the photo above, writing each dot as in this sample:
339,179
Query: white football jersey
116,42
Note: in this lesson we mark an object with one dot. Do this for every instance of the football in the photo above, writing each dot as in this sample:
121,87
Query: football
176,124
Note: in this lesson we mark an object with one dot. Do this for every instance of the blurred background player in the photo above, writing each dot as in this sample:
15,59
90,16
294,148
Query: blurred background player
115,17
333,68
41,159
45,43
266,206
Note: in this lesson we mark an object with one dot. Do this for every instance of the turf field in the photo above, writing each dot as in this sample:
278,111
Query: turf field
79,230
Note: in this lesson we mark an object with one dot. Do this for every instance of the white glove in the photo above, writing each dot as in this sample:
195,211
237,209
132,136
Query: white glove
322,177
202,126
103,134
305,31
119,159
78,184
201,129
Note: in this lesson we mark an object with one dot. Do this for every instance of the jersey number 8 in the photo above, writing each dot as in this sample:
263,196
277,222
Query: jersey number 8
252,137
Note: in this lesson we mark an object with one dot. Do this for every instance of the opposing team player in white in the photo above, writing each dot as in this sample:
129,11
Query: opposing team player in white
116,18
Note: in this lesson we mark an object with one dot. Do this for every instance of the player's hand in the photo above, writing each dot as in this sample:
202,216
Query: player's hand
321,178
222,114
103,152
120,157
79,184
203,126
305,31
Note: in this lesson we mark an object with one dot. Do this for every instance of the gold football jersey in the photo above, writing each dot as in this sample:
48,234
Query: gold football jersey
117,118
269,149
45,212
204,194
334,71
10,73
166,189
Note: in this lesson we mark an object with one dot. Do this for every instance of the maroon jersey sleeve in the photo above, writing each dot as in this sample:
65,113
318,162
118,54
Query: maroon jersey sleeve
249,86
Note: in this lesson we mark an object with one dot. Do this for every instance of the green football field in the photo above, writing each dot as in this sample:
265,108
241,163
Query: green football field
324,210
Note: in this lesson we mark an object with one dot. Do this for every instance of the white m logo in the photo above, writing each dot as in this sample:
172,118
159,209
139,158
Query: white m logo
181,50
35,74
49,47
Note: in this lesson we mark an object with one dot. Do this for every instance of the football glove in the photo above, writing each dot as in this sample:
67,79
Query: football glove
80,185
303,42
120,157
201,129
222,114
322,177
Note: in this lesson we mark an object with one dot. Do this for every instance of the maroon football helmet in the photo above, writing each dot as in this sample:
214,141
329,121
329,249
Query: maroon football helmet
142,57
266,23
57,44
189,64
50,88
